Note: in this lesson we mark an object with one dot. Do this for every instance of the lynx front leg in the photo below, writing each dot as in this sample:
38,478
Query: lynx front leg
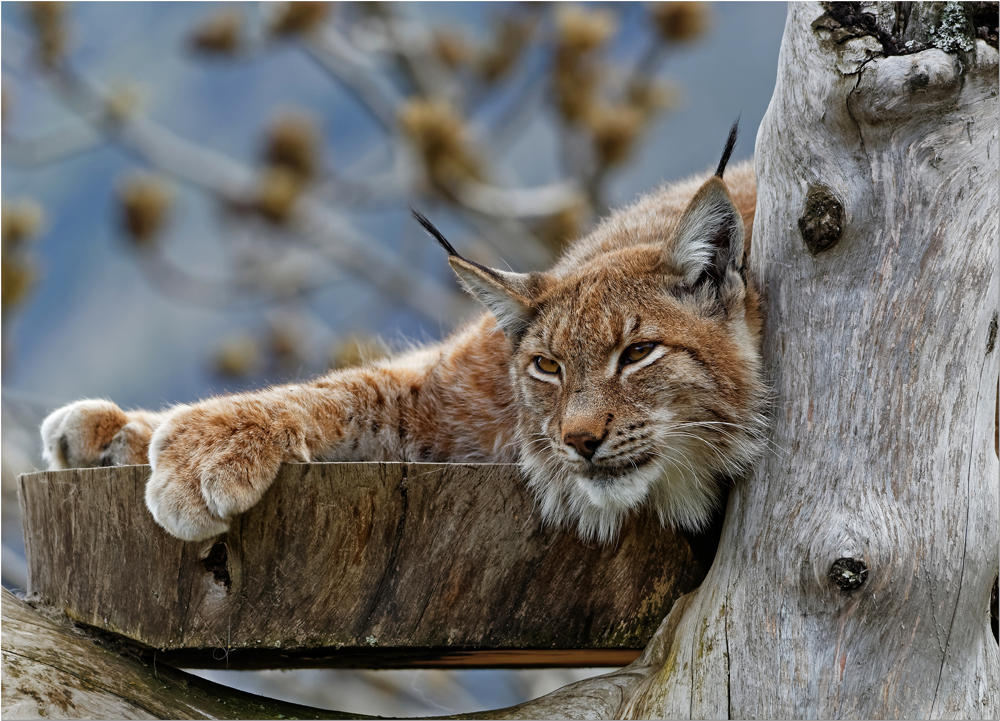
215,459
96,433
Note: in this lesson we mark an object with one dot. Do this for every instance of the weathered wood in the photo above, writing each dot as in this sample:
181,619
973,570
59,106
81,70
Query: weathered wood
854,570
356,564
51,670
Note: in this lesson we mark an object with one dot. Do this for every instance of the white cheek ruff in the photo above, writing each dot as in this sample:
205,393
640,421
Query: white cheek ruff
680,494
681,485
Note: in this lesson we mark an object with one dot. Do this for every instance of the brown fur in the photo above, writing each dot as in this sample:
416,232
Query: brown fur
666,429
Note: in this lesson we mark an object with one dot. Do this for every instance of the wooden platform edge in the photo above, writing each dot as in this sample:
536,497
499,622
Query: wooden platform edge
398,658
383,555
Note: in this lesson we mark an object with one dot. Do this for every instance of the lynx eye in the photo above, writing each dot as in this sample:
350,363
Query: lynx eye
637,352
546,365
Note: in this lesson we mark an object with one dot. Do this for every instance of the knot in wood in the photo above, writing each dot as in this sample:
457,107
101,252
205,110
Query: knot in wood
217,564
849,573
822,219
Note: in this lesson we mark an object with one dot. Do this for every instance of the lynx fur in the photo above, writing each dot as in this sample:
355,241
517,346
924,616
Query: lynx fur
628,375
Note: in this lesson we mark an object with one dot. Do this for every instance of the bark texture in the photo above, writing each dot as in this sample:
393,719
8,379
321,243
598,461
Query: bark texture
51,670
854,571
352,564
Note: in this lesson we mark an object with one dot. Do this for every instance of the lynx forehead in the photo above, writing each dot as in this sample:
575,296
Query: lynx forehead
626,376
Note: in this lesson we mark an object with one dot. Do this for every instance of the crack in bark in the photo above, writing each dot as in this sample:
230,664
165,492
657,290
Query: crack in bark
691,713
83,681
729,671
850,112
965,547
394,551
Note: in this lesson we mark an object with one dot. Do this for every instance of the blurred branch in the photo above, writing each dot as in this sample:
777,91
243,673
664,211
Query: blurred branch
576,160
534,201
422,85
649,62
235,183
52,146
330,233
356,71
506,236
390,185
176,282
411,44
516,116
386,188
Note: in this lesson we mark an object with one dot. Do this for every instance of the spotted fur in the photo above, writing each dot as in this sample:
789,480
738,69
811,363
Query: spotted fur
661,432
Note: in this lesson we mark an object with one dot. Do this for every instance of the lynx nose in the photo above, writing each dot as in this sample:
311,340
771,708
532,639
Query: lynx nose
585,443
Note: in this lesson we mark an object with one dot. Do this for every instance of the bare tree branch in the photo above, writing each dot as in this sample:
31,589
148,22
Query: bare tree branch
356,71
231,181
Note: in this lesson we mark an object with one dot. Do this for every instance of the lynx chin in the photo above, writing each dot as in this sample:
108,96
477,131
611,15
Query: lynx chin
628,375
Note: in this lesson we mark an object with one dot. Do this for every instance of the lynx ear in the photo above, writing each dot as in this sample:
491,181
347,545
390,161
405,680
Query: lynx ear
709,239
506,294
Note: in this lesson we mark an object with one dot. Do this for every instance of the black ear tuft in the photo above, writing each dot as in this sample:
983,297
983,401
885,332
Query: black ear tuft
505,294
439,237
730,144
434,232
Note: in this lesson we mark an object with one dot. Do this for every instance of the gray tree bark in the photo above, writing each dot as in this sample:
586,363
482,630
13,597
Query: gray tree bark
854,571
51,670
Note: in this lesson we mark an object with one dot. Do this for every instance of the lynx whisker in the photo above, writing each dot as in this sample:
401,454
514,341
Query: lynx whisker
753,434
676,461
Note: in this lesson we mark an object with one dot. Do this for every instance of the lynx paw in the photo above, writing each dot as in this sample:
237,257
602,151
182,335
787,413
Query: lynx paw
92,433
214,460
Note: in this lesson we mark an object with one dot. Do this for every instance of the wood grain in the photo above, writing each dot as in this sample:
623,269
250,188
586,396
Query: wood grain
353,564
877,345
51,670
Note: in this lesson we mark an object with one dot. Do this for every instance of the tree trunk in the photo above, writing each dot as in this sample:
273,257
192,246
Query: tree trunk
854,572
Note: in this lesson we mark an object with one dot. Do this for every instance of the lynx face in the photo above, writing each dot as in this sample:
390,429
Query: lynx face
629,389
636,370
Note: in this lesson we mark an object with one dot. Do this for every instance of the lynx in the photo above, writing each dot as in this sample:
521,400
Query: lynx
628,375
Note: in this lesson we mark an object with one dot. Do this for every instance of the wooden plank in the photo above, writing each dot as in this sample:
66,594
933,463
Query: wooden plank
377,565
